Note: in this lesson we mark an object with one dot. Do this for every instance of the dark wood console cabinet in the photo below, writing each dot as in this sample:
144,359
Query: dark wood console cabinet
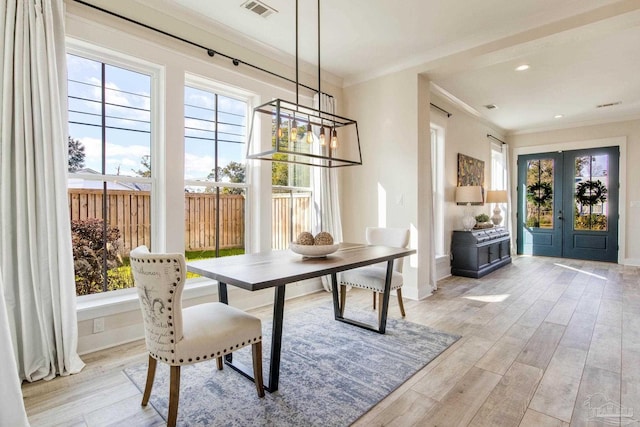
476,253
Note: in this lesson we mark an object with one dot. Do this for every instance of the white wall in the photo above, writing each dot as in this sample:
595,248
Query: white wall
385,190
577,137
394,117
464,134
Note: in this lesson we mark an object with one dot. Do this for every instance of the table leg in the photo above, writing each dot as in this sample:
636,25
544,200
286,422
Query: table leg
336,300
385,297
223,297
385,303
276,340
272,380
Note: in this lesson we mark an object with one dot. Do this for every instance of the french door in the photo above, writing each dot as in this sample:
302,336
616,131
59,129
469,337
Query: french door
568,204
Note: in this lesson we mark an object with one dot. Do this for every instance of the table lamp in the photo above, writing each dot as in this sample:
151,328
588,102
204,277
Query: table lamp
468,194
497,197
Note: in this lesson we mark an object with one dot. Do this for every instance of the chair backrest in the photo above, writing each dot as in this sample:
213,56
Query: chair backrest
160,279
394,237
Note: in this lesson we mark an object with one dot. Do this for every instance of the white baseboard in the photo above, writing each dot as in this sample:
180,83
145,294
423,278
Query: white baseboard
634,262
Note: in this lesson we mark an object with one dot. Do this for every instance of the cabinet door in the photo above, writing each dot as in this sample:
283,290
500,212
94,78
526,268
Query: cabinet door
483,256
494,252
505,249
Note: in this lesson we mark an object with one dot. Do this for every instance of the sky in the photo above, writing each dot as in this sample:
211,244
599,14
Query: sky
128,136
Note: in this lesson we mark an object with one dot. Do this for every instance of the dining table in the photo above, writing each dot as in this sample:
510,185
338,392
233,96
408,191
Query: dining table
278,268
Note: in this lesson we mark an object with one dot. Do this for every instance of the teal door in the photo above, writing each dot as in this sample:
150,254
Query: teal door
568,204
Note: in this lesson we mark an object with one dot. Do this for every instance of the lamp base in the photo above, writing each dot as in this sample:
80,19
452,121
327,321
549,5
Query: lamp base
496,218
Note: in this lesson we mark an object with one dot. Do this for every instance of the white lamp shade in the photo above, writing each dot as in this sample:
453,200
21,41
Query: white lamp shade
497,196
469,194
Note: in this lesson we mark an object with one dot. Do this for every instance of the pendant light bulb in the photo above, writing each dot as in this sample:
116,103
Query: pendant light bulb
280,130
294,131
334,139
323,138
309,134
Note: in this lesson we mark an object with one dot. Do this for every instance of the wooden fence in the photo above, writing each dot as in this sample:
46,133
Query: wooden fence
127,210
130,212
290,215
200,221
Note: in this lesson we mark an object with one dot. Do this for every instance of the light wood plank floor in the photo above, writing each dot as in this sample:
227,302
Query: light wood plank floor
545,342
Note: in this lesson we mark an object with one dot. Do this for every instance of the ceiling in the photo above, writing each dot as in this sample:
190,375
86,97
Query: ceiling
582,53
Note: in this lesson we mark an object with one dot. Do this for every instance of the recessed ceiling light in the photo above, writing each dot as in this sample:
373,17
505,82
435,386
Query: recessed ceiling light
522,67
558,116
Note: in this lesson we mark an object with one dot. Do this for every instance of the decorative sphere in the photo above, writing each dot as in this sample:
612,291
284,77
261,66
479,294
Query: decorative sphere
324,238
305,238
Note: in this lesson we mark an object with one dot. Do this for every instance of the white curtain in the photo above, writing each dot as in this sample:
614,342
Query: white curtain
12,411
326,206
36,261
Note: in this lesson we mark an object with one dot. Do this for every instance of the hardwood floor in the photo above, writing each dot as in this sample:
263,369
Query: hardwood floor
545,342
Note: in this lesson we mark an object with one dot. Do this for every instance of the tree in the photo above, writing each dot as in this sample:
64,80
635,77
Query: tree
145,172
279,170
235,172
76,155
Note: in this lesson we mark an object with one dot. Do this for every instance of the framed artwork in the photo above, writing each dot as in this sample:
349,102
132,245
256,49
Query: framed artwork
471,172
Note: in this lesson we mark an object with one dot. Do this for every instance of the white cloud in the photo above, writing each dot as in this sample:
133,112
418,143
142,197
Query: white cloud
197,167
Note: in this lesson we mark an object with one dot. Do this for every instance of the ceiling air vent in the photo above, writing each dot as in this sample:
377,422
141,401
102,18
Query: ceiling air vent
258,7
491,106
610,104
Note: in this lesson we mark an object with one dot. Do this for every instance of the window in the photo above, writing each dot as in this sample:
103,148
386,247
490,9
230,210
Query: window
291,197
498,168
437,181
214,172
110,168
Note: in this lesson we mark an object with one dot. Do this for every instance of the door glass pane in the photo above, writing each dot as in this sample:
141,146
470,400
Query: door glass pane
591,175
540,193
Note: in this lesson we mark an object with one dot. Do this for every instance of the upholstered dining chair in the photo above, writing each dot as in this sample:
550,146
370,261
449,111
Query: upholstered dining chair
178,336
373,277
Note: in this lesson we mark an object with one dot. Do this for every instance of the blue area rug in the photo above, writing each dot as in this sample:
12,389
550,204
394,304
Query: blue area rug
331,373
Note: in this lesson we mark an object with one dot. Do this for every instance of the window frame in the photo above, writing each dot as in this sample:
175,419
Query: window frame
437,139
156,74
224,89
498,168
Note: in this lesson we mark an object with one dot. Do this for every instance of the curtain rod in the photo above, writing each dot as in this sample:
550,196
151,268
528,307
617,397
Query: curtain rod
441,109
493,137
210,52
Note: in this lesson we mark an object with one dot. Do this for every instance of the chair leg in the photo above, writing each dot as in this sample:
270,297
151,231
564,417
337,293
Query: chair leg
151,374
174,396
256,350
343,298
380,297
400,303
219,363
374,300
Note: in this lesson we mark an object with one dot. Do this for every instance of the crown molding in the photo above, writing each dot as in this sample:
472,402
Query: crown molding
573,125
460,104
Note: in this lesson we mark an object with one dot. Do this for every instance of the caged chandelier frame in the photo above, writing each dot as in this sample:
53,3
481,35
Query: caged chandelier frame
305,135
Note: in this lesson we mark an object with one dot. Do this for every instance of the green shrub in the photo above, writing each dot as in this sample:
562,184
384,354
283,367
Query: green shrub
591,222
89,253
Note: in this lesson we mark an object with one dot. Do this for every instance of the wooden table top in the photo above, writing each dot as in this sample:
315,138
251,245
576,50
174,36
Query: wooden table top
275,268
